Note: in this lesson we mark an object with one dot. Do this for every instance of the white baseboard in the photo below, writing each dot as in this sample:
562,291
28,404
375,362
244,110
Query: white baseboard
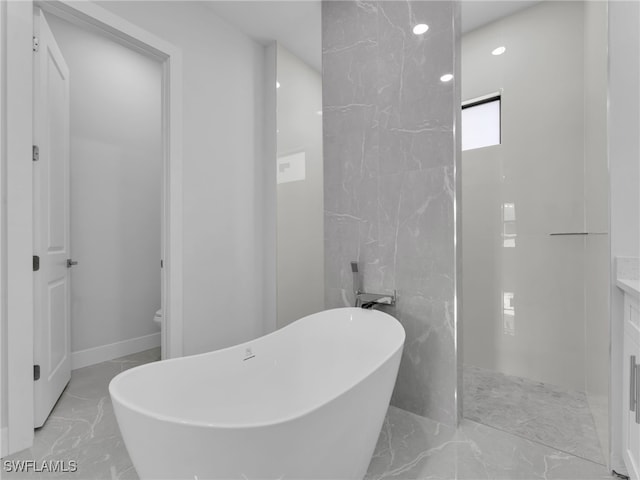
91,356
4,439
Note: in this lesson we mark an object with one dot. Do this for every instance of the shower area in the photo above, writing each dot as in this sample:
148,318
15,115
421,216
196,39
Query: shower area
535,225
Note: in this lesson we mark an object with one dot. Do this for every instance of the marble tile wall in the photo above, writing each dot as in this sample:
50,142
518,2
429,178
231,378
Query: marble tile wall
390,179
627,268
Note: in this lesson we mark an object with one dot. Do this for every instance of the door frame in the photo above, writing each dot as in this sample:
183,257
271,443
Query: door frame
17,95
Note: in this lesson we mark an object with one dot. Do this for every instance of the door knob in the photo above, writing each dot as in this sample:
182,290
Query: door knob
71,263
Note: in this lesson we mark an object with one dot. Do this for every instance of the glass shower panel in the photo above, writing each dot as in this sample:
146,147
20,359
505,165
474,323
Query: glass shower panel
525,312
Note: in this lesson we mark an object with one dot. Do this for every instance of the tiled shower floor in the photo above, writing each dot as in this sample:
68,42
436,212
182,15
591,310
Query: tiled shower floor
82,427
544,413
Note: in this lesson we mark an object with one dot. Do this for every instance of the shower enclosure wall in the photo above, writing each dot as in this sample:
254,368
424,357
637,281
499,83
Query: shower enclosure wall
535,228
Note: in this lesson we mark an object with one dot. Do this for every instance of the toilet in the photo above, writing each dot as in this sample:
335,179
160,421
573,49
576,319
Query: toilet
157,318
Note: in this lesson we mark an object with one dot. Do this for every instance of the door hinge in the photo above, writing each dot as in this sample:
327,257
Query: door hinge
36,372
36,44
36,263
161,264
35,153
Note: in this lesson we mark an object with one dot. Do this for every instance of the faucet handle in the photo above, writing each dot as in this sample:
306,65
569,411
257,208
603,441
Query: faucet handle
357,286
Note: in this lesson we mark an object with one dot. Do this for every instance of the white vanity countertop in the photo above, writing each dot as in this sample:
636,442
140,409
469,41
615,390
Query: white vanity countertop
628,275
632,287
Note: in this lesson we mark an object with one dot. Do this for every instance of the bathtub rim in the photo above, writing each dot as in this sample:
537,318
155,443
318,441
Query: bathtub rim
199,423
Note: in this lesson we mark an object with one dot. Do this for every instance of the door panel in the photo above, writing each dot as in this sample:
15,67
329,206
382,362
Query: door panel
57,99
58,310
51,222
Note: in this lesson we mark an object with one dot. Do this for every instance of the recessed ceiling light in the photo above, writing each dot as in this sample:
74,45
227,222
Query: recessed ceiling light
277,84
420,28
499,50
319,112
446,77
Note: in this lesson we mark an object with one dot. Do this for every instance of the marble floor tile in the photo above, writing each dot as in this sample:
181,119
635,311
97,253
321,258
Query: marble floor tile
412,447
82,426
599,406
544,413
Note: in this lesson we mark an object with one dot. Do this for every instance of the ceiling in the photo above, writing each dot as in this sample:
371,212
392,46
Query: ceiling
296,24
477,13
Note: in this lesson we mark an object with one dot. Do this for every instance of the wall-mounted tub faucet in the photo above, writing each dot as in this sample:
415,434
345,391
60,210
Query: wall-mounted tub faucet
368,300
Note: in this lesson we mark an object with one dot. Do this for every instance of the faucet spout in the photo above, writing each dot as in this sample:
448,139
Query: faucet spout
369,300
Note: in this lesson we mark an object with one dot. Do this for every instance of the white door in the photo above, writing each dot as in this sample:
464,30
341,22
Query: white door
52,349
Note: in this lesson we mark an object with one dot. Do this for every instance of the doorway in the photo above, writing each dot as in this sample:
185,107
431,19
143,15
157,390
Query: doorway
97,199
18,401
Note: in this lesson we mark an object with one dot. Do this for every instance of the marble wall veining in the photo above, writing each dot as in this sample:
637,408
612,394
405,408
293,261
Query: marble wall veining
390,179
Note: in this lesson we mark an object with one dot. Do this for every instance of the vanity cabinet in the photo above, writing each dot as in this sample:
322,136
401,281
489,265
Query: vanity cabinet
631,387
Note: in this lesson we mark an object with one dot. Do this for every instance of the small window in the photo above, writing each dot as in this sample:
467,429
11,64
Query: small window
481,122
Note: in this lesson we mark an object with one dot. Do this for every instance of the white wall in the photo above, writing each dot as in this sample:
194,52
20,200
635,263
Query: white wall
223,177
222,170
539,167
300,233
116,177
624,170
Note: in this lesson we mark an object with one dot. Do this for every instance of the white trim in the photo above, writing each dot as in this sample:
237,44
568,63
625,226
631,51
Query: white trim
482,97
172,345
4,442
270,194
3,40
91,356
90,15
19,224
19,190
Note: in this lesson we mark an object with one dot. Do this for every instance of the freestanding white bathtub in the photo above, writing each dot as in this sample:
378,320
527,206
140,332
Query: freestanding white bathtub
306,401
